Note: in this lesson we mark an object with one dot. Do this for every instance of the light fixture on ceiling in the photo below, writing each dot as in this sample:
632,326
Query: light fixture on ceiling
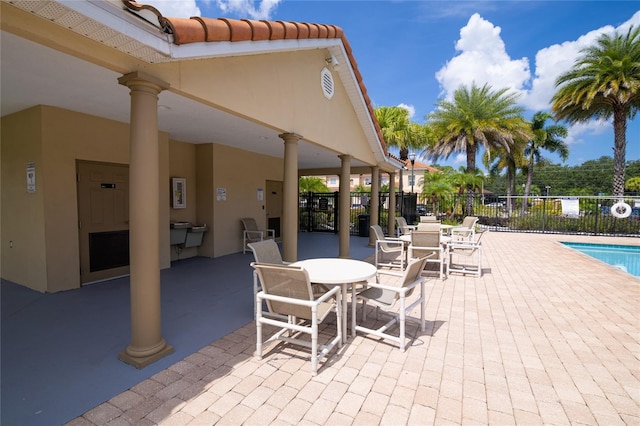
332,62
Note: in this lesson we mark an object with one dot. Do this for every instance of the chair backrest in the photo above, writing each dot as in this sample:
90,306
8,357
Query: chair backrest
429,226
249,224
429,219
401,224
469,222
266,251
286,281
413,272
380,237
428,239
378,231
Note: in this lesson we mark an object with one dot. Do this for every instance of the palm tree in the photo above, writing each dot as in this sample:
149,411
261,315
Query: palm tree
398,130
436,186
463,180
510,161
603,83
477,116
548,138
312,184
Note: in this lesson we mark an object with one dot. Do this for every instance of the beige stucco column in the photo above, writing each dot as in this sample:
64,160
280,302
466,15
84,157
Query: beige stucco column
289,225
344,206
392,204
374,202
147,344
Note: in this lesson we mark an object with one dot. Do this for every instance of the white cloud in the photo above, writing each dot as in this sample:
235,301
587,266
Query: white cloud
577,132
559,58
255,10
460,159
410,108
483,59
175,8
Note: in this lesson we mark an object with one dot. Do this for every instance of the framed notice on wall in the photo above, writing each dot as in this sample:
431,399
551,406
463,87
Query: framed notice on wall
179,192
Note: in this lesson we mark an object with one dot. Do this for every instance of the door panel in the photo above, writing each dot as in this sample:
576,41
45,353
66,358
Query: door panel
103,212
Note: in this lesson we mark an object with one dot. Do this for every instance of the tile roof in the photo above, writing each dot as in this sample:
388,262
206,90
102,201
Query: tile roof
198,29
419,165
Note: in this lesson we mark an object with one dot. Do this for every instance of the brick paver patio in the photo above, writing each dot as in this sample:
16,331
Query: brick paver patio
546,336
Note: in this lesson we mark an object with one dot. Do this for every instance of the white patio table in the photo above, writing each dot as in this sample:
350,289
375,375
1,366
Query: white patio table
336,271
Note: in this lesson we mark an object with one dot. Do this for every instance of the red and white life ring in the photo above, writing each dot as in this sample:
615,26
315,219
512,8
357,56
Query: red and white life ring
626,210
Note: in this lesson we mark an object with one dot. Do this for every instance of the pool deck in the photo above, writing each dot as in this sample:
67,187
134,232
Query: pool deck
547,335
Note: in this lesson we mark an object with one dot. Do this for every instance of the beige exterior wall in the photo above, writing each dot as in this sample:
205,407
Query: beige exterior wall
281,89
182,164
43,227
23,231
241,174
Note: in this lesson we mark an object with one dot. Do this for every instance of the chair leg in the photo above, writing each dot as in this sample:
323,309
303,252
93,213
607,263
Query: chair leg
258,328
314,341
403,315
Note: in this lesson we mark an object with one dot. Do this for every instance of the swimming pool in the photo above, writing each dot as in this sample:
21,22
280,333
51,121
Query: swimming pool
625,258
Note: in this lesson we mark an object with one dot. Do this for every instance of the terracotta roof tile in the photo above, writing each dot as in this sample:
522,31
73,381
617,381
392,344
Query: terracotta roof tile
214,29
419,165
198,29
260,30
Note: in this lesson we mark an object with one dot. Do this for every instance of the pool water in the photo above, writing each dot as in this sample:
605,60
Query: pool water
625,258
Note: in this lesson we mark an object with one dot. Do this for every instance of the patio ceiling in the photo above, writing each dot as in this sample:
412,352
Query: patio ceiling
33,74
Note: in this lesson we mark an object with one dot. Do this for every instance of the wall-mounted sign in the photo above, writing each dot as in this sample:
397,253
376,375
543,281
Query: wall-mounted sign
179,192
221,194
31,178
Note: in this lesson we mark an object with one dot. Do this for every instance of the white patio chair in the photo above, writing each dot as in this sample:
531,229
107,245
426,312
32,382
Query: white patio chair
466,256
428,243
287,292
386,296
466,231
252,234
429,219
402,227
391,247
266,251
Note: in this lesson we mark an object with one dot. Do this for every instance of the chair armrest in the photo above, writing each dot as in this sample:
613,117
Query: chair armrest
391,243
389,273
301,302
402,289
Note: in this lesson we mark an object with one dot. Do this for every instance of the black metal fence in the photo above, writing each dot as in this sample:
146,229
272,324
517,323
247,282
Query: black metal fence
565,215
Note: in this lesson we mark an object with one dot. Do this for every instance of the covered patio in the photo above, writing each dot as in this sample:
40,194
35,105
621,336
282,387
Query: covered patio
546,335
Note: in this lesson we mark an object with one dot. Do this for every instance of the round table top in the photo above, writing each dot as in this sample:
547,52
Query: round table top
336,270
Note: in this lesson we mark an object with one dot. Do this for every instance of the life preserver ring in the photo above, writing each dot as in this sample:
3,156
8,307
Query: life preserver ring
626,210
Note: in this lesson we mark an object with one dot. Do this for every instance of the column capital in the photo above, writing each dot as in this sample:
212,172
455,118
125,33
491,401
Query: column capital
141,80
345,157
290,137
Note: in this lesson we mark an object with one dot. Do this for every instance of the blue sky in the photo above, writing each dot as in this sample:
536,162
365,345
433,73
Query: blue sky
411,53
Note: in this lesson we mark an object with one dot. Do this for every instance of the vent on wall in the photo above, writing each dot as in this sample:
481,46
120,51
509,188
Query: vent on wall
326,80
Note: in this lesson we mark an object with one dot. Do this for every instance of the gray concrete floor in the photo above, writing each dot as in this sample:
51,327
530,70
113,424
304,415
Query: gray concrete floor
59,351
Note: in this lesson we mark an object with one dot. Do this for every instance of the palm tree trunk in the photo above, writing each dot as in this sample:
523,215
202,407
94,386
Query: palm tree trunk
471,167
619,150
527,185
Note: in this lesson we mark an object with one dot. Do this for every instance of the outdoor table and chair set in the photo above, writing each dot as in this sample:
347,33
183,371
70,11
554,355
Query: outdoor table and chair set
297,297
